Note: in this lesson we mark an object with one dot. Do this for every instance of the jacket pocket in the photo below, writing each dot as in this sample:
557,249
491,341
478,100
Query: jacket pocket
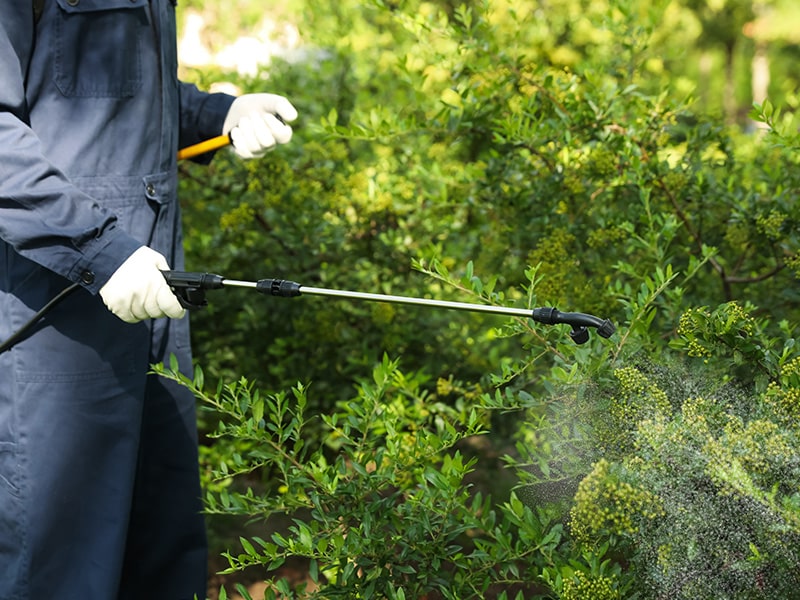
97,47
135,200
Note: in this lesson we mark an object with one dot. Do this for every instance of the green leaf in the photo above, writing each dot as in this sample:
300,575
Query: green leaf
452,98
248,547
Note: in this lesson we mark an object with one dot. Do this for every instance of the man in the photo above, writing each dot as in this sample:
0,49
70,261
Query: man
99,493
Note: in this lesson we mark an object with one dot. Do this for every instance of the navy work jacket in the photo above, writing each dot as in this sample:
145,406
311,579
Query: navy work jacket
91,117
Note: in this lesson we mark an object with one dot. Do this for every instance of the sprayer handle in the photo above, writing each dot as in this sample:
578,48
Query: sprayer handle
190,288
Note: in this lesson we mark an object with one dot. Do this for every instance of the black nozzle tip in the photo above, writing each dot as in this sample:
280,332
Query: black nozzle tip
606,329
579,335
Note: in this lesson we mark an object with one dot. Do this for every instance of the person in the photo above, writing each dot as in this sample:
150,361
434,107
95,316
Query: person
99,485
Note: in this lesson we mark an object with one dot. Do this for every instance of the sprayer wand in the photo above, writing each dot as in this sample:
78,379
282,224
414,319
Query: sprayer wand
191,287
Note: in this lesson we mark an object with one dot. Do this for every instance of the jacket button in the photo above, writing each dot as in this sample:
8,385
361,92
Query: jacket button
73,2
87,277
150,189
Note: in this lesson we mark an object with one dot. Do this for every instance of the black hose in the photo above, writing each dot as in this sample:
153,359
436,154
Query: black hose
23,331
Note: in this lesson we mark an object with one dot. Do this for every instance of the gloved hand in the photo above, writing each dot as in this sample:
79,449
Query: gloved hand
253,125
137,290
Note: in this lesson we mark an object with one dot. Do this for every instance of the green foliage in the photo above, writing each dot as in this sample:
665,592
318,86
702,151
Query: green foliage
703,500
456,135
521,155
379,505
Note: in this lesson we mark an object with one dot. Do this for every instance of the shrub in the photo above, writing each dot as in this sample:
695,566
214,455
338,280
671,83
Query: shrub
380,506
443,143
702,500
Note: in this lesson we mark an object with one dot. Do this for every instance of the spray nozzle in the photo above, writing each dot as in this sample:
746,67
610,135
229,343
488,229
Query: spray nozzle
579,322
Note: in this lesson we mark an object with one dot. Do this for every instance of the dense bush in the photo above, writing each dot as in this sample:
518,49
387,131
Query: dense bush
510,155
379,505
700,493
464,139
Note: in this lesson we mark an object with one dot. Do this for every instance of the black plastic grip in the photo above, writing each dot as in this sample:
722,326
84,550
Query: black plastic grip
190,287
188,279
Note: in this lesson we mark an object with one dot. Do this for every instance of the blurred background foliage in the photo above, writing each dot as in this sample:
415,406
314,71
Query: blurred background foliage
505,134
632,160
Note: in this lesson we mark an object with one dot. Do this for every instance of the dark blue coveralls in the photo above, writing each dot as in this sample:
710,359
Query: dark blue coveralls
99,493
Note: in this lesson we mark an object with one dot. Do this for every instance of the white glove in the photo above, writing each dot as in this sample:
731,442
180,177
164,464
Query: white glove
137,290
257,122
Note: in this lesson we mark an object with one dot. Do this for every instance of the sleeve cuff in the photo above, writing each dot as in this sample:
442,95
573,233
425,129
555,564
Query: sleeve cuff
202,117
101,260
